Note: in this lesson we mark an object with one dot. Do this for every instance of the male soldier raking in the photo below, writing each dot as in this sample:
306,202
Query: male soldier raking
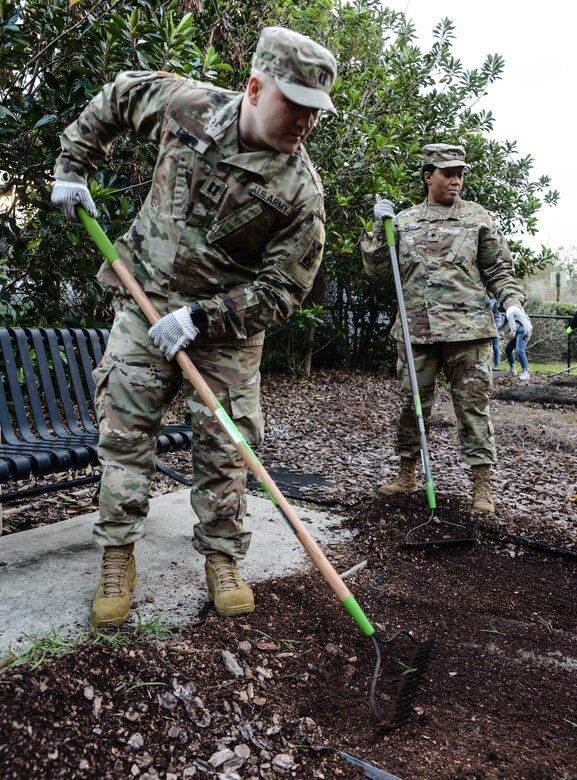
226,245
449,251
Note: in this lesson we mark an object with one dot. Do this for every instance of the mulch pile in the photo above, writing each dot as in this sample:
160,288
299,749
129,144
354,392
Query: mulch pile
280,692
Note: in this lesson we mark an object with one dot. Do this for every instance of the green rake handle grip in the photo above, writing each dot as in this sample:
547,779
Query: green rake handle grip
390,237
244,450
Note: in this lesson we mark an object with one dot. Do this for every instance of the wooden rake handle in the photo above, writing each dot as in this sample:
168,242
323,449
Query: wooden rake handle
197,381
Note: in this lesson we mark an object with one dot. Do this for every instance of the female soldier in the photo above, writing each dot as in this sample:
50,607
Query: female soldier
450,251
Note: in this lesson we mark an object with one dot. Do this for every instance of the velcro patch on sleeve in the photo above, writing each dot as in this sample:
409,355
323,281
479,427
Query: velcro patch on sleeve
270,199
312,253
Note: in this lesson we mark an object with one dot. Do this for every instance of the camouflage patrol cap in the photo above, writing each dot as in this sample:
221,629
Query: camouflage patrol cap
444,156
304,70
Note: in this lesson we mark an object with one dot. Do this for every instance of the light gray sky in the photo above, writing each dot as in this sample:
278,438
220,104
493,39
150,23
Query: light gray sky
535,101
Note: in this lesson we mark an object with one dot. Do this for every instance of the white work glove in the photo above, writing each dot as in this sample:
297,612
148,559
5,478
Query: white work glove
383,209
516,315
68,194
174,331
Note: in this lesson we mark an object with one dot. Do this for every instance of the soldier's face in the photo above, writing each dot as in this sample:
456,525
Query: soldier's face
275,122
444,185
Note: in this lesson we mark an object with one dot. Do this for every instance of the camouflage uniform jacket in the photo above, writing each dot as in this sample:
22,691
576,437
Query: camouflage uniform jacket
238,233
447,255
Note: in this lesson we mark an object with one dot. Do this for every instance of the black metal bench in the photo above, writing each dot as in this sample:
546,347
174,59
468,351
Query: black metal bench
47,418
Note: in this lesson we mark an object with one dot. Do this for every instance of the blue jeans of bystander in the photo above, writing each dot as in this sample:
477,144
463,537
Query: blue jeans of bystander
516,345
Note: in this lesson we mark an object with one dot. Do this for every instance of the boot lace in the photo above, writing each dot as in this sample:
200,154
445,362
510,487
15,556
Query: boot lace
483,490
226,571
113,567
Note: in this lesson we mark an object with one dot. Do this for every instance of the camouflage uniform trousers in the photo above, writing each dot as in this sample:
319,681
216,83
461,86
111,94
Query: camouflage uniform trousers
134,387
467,366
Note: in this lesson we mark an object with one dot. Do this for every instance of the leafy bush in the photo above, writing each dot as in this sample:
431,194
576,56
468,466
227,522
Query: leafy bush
392,98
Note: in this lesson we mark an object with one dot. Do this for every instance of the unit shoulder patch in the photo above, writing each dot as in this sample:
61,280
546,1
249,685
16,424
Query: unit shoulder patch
312,253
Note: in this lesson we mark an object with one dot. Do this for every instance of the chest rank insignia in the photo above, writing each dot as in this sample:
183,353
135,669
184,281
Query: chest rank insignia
213,188
312,253
270,199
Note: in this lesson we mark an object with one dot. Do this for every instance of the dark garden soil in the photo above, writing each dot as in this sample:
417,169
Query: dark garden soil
280,692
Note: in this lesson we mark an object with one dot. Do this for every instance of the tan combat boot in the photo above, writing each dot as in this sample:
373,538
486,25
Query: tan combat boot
111,602
482,496
406,479
230,595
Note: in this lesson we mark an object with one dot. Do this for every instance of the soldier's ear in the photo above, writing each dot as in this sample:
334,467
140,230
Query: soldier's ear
253,89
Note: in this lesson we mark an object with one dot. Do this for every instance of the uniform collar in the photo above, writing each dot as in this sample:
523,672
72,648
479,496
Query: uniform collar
429,212
223,129
267,164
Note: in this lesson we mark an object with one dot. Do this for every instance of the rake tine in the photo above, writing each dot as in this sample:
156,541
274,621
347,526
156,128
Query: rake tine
408,681
468,539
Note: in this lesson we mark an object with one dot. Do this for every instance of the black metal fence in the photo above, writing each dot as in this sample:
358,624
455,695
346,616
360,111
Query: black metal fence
550,342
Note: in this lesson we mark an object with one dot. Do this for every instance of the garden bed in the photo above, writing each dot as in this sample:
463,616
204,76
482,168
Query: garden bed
280,692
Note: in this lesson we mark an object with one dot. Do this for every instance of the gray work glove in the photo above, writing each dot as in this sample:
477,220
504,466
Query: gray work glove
516,316
68,194
383,209
174,331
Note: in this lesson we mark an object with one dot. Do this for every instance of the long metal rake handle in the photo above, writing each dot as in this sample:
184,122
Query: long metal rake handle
390,237
430,489
324,566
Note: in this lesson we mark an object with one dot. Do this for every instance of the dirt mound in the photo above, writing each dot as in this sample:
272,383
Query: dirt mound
278,692
547,395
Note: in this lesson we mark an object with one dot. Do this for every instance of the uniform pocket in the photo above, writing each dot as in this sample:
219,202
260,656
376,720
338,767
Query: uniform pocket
243,233
102,371
101,375
181,201
245,409
245,397
233,221
483,370
172,182
408,252
462,247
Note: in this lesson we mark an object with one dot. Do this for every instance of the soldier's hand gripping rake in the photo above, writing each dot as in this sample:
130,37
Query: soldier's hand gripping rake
413,671
446,532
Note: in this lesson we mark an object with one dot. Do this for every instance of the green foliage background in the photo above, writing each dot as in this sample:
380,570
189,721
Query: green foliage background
392,98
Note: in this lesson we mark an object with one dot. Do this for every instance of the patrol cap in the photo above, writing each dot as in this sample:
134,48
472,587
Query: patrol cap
304,70
444,155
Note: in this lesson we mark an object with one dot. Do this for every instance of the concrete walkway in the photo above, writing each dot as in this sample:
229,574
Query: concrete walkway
48,575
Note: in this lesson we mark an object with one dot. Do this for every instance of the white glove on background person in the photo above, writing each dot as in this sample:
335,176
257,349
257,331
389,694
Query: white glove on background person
68,194
174,331
515,314
383,209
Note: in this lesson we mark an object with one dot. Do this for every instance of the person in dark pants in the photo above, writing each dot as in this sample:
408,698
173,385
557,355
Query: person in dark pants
516,346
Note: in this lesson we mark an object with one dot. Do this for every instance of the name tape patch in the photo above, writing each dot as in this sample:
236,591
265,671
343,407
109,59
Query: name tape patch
270,198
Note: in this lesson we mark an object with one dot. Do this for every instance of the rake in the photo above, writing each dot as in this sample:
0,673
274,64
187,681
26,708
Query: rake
446,532
400,711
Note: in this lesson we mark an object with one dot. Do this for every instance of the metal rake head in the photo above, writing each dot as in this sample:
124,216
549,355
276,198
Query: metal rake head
407,681
446,533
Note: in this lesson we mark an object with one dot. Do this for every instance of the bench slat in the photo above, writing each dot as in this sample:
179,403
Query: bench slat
48,420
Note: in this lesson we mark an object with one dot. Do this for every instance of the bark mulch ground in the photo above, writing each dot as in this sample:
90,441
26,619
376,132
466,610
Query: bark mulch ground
284,692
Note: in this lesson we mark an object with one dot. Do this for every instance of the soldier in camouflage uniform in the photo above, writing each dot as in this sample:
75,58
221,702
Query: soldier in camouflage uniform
226,245
449,251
